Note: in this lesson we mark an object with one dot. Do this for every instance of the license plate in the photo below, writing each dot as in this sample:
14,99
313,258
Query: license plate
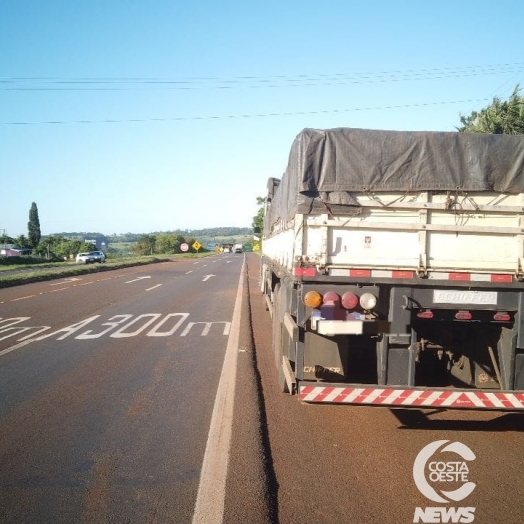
453,296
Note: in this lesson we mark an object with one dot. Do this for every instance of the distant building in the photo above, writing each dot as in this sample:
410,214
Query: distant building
12,250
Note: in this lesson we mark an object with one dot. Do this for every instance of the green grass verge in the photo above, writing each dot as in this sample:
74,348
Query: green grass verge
38,273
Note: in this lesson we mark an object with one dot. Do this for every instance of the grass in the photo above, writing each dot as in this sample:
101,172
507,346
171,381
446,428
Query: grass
54,270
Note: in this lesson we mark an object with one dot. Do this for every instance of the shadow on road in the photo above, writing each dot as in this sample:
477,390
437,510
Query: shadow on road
421,419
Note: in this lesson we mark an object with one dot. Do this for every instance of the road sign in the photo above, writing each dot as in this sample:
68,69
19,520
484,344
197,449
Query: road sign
196,245
184,247
256,247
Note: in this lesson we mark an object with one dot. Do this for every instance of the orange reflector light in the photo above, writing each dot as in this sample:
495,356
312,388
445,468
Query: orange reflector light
313,299
502,317
425,314
349,300
463,315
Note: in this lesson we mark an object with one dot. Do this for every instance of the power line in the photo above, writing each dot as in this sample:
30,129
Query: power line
251,82
230,117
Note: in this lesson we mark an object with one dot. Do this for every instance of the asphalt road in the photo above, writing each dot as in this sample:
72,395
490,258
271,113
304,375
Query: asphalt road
107,386
106,419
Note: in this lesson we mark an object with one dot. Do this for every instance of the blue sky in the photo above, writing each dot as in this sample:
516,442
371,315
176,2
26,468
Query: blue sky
132,116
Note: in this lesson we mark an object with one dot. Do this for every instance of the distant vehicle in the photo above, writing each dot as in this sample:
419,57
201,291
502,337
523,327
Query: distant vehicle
99,256
91,257
237,248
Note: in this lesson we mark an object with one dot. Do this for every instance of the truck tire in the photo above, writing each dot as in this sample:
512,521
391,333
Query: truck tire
278,315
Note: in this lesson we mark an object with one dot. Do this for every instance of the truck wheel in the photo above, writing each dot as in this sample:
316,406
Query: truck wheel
278,315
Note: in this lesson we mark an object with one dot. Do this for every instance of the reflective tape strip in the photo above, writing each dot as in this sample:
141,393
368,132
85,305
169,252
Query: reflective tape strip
475,399
466,277
432,275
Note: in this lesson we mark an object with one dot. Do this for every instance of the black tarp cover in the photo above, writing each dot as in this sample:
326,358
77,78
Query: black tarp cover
326,166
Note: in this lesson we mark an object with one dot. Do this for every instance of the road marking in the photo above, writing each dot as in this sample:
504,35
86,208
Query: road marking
66,281
136,280
207,327
22,298
207,277
209,507
154,287
12,348
187,272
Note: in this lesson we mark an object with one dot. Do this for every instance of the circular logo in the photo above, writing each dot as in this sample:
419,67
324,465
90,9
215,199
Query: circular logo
443,471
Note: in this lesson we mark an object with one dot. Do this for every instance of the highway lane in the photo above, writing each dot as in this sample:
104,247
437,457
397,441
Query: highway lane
352,464
107,384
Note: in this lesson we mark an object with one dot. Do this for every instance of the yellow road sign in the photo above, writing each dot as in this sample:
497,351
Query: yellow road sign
196,245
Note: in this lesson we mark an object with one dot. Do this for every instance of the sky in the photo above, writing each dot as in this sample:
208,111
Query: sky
124,116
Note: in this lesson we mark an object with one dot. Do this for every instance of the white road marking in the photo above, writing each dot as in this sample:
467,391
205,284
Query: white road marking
154,287
207,277
136,279
187,272
12,348
22,298
66,281
209,507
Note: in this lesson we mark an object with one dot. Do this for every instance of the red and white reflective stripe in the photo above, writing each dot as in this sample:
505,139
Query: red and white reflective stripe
432,275
473,277
371,273
475,399
304,271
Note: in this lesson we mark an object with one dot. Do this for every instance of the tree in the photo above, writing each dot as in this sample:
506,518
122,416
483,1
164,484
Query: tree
22,241
165,243
498,118
33,227
145,245
258,220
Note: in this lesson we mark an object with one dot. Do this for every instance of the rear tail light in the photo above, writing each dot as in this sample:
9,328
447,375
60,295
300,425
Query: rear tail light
313,299
425,314
349,300
368,301
502,316
330,298
463,315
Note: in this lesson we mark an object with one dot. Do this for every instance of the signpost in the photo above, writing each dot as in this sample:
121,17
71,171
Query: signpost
196,245
184,247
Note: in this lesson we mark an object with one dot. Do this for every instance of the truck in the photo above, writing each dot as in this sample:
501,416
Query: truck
392,265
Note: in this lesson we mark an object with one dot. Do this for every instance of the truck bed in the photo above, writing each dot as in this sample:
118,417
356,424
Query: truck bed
424,232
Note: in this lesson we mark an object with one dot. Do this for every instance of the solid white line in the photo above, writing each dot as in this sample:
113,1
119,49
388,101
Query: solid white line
209,507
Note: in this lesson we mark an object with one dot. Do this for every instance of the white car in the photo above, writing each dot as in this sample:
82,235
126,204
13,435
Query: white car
90,257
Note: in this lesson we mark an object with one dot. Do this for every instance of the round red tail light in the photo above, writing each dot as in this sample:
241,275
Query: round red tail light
330,298
349,300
